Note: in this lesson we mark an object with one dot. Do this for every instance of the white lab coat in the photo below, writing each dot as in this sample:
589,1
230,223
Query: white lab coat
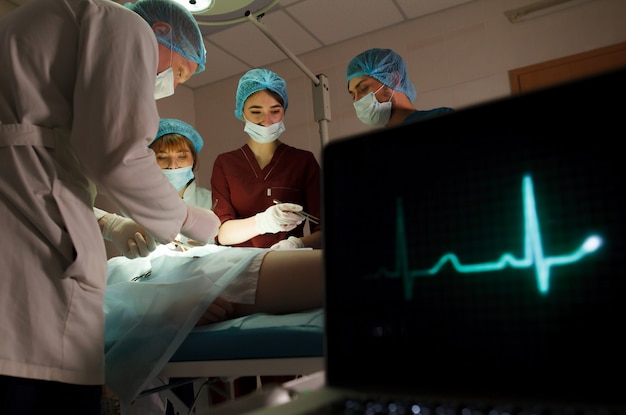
198,196
195,195
76,106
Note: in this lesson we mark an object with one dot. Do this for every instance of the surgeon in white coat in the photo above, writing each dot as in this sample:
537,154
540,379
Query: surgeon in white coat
77,108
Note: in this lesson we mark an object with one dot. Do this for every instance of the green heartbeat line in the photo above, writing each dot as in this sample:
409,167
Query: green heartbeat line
533,251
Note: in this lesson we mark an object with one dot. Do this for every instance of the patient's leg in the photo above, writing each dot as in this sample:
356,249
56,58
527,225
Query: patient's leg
289,281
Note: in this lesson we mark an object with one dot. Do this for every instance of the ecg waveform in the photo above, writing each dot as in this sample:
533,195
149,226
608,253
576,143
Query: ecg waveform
533,251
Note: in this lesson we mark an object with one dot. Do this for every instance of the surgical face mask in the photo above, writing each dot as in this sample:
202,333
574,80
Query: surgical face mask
164,86
372,112
262,134
179,177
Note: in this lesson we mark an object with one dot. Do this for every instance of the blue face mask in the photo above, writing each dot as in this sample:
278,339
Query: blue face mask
262,134
372,112
179,177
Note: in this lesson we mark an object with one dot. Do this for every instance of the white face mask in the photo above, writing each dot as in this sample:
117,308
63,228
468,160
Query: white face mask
164,86
262,134
179,177
372,112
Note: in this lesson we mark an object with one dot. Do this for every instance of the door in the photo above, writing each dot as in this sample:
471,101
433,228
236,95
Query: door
567,68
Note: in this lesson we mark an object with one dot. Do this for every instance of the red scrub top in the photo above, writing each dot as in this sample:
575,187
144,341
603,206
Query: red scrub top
242,189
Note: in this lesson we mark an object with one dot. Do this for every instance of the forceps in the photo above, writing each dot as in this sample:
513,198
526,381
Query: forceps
302,214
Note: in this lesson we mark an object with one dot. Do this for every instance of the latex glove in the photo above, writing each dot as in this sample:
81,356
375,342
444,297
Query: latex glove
278,218
132,240
290,243
201,224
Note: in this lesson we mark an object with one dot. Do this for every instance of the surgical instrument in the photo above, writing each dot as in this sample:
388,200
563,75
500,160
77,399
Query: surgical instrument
303,214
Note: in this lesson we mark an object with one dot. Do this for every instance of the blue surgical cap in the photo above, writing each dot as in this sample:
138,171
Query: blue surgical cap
384,65
185,37
258,80
174,126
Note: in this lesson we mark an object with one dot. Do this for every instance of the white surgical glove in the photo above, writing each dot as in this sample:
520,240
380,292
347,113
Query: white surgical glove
201,224
278,218
127,236
290,243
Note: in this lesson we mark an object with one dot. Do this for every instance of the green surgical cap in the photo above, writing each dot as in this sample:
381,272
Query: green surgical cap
384,65
258,80
174,126
185,38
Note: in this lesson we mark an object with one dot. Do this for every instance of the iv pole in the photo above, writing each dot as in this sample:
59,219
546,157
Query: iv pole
321,96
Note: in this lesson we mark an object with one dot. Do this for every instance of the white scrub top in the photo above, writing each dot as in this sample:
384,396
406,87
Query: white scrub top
76,107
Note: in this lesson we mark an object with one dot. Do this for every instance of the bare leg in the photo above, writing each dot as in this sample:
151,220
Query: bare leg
289,281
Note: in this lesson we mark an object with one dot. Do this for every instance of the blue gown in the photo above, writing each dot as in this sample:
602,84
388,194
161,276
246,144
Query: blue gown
420,115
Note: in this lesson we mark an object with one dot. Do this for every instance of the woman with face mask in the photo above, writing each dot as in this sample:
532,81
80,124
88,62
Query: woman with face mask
249,183
381,91
176,147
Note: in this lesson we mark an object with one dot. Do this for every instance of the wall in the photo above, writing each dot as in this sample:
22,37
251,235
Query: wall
458,57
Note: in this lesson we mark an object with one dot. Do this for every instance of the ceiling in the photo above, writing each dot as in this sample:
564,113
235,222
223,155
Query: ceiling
299,26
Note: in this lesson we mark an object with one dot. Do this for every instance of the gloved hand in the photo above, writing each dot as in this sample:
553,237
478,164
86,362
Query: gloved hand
290,243
132,240
278,218
201,224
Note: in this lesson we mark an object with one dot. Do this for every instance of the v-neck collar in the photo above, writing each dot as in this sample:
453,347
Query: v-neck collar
263,173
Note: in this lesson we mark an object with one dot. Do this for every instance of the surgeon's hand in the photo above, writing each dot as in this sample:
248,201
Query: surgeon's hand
278,218
131,240
201,224
219,310
290,243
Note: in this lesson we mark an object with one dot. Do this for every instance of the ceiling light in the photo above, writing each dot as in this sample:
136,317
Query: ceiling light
226,12
197,6
228,6
215,7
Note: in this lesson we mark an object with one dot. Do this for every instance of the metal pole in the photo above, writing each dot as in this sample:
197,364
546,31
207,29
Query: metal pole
280,46
321,96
